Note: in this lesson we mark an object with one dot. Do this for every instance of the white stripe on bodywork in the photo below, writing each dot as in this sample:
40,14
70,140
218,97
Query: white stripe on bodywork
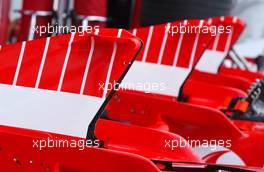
227,158
151,28
210,61
177,52
134,32
168,78
217,37
119,33
229,40
48,111
42,62
87,65
194,50
21,55
164,40
66,61
110,69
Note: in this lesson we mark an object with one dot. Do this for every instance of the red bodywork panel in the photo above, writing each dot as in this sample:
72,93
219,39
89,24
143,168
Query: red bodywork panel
143,141
22,70
220,82
189,120
18,154
234,81
252,76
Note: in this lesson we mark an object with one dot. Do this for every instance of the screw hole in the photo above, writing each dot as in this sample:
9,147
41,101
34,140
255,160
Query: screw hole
30,161
42,164
16,161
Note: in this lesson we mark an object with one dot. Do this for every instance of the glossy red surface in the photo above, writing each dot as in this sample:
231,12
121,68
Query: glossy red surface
18,154
190,121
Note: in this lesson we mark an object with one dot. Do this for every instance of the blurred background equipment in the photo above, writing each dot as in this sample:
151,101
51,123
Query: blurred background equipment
251,43
27,15
156,11
33,14
91,12
20,17
4,20
126,14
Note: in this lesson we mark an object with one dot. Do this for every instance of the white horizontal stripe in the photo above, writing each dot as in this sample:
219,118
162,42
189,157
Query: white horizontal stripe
169,78
45,110
227,158
210,61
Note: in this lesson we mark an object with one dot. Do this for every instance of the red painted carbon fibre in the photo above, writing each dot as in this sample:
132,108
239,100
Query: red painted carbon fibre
168,53
52,62
62,75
